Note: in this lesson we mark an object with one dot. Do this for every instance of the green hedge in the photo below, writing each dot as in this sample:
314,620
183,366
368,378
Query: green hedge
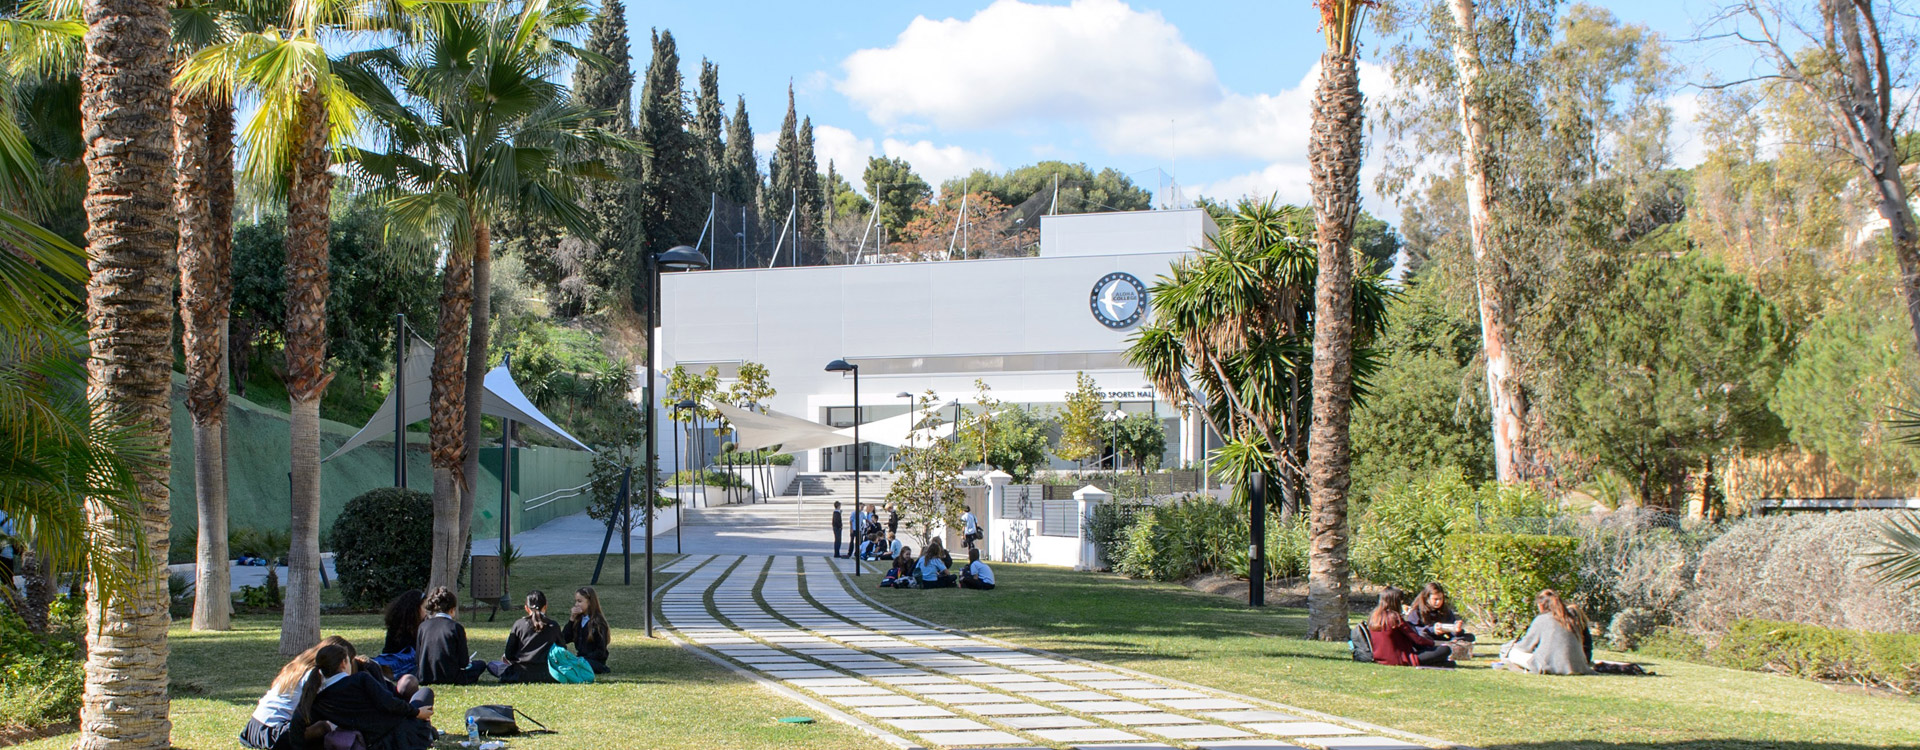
383,545
1400,538
40,675
1496,576
1887,660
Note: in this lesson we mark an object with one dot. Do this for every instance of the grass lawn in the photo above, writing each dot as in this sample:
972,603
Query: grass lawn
659,696
1169,630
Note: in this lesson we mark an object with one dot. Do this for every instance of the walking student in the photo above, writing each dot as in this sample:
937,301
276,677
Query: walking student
442,643
969,528
837,529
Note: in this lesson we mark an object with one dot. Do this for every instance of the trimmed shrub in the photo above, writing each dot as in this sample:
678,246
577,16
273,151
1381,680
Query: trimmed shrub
1886,660
1807,569
1496,576
1180,540
1639,560
1400,538
384,544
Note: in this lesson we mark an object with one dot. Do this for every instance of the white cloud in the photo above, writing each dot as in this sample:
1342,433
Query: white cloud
1686,139
848,152
1019,61
937,163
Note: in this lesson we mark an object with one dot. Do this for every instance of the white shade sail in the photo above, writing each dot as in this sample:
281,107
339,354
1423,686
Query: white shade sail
792,434
501,398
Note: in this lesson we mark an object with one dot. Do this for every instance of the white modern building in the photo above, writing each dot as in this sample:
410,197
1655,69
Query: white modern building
1025,326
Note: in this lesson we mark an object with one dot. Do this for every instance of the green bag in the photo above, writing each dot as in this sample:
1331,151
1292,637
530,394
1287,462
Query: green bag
567,668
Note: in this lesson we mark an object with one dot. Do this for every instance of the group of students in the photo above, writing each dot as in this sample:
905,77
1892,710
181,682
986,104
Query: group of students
1431,634
930,570
385,698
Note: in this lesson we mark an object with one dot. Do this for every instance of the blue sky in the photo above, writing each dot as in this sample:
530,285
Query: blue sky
1212,93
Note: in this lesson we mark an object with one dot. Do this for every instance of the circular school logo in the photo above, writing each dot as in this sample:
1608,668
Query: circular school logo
1119,300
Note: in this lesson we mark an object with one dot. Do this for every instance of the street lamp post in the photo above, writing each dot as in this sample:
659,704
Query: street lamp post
678,258
842,365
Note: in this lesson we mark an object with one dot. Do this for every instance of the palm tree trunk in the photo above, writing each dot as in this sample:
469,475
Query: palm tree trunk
124,115
309,189
1503,386
476,380
1334,155
203,199
447,422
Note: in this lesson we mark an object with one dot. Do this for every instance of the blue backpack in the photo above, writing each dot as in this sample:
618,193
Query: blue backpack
567,668
402,664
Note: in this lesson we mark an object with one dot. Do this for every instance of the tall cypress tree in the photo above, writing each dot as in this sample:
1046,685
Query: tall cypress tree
708,123
673,197
607,256
742,185
783,176
812,201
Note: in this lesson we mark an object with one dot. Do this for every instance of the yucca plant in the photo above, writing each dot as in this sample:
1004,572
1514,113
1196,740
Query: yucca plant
1898,559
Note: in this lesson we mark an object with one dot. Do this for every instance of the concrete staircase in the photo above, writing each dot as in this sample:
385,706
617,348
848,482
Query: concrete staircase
874,486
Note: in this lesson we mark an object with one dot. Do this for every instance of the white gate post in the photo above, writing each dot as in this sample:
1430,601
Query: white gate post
997,482
1089,497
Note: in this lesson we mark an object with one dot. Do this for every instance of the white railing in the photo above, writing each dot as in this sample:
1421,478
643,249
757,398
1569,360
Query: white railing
535,503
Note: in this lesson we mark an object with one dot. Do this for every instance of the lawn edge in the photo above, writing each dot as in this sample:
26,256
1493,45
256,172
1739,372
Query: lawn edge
773,686
1375,728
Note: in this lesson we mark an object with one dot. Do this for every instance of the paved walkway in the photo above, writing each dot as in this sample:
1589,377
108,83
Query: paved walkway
792,620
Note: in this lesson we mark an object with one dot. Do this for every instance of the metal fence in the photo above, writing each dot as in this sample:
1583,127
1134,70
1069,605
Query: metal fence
1060,518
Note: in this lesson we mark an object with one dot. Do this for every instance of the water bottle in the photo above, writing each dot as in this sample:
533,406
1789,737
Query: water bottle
473,732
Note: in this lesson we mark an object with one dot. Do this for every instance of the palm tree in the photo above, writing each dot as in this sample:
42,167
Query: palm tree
1231,337
203,200
304,112
124,109
1334,155
478,126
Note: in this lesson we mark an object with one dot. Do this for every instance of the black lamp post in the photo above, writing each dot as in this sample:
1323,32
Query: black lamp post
678,258
841,365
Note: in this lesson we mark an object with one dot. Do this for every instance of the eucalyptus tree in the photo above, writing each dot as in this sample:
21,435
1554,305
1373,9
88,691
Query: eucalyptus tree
1232,337
476,126
303,114
1334,153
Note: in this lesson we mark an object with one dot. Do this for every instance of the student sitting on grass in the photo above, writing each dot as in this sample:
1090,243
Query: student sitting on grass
444,657
893,546
931,572
587,629
976,575
358,701
900,575
403,618
1433,616
1395,642
283,719
1558,640
871,549
527,644
405,686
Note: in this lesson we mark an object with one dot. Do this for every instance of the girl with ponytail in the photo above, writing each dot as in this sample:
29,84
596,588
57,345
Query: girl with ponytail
527,644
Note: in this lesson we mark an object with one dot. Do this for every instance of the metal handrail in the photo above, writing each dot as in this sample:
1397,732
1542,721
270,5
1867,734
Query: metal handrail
535,503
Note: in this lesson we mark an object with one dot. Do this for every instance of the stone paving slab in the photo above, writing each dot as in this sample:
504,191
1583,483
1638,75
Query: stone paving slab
795,620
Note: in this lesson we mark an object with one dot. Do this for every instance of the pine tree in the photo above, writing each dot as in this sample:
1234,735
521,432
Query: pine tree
813,201
673,197
601,273
742,184
708,124
783,178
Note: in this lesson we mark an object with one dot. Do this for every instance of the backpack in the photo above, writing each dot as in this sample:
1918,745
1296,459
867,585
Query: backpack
565,667
1361,643
497,721
401,664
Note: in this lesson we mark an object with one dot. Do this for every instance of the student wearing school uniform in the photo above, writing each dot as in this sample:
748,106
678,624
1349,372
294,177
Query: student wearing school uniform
283,718
358,701
976,575
931,572
403,618
442,643
893,546
838,529
969,529
587,630
528,642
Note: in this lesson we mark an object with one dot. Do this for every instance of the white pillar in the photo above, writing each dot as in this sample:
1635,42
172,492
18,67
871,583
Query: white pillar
997,482
1089,497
